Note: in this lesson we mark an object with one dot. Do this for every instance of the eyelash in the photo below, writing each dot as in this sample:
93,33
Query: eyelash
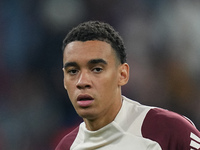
72,71
75,71
97,69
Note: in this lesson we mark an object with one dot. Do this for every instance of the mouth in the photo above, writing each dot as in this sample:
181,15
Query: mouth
84,97
84,100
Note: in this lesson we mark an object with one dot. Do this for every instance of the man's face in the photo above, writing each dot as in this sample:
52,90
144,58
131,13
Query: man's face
92,78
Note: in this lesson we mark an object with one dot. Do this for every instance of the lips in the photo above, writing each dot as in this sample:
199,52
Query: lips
84,97
84,100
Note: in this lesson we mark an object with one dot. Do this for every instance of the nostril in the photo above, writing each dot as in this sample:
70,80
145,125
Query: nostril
87,86
82,86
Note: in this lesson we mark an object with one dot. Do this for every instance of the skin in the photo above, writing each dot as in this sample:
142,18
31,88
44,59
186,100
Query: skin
92,69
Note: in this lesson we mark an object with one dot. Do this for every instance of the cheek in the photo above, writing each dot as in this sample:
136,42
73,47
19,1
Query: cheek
68,86
67,82
70,93
109,83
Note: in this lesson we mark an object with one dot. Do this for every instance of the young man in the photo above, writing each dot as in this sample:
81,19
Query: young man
94,69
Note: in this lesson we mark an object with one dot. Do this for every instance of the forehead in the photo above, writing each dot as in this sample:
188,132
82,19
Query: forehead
77,51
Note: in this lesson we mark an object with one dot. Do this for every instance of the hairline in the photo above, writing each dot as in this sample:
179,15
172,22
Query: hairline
118,60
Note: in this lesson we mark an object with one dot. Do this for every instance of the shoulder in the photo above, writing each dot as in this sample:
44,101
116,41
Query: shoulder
169,129
68,140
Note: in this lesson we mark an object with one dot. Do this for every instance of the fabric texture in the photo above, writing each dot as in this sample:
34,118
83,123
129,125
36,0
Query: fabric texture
136,127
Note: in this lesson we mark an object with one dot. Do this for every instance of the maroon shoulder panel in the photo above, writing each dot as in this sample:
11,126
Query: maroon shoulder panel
171,130
68,140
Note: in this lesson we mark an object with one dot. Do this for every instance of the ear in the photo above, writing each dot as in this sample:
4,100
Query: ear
123,74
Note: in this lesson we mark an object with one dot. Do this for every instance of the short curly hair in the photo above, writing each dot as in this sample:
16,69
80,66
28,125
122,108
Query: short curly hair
96,30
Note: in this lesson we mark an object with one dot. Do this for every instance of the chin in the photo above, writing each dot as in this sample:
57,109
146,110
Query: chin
87,115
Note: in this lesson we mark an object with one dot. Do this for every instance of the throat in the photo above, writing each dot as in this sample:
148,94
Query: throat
103,118
96,124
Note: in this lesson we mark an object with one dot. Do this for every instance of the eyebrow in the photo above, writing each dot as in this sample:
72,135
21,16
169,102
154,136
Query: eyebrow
97,61
92,61
70,64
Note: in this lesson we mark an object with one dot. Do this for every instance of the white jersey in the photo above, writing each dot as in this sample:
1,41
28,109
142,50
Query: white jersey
136,127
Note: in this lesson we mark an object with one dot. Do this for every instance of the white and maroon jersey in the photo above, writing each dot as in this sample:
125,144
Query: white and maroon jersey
136,127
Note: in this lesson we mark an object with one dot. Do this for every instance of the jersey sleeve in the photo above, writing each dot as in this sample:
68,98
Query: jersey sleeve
170,130
68,140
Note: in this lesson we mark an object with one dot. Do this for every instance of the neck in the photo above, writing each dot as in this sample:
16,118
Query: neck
99,122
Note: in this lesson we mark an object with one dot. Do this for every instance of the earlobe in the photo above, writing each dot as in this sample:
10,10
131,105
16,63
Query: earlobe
124,74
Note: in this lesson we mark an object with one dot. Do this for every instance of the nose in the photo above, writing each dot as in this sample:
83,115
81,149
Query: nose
83,81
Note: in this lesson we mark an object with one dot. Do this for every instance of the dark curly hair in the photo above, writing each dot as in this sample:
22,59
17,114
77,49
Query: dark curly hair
96,30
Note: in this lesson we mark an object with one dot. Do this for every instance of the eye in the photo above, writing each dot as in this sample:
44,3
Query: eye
97,70
72,71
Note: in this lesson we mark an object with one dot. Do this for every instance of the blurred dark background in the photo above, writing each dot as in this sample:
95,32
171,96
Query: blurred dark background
162,38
